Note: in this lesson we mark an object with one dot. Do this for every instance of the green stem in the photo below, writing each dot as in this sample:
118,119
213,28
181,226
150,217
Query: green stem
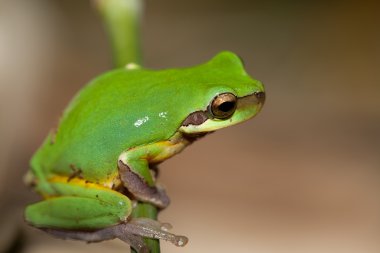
122,21
149,211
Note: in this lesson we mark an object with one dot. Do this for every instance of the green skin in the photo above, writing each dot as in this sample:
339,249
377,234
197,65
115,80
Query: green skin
128,118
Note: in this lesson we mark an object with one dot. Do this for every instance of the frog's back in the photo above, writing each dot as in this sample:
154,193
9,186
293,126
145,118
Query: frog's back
106,117
125,108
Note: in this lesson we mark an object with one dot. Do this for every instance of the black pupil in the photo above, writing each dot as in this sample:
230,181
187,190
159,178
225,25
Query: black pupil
226,106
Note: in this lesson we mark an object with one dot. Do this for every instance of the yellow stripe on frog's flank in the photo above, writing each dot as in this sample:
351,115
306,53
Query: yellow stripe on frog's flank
80,182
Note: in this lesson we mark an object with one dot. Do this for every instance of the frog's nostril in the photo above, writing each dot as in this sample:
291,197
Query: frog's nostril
260,97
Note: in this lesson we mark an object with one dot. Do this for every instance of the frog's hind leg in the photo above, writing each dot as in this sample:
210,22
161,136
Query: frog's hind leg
82,211
79,205
131,232
92,213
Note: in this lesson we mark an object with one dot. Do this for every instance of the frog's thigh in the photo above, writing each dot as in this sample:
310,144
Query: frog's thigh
79,207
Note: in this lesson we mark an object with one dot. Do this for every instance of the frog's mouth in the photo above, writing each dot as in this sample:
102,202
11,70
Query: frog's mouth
203,122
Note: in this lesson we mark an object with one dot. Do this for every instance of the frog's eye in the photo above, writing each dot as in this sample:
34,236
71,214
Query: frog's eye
223,105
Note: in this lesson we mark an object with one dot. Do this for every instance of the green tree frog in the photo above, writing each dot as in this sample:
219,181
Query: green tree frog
99,161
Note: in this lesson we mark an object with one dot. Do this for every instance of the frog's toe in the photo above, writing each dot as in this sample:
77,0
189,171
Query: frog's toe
154,229
135,241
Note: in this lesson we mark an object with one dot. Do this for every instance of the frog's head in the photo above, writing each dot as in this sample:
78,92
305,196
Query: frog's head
231,98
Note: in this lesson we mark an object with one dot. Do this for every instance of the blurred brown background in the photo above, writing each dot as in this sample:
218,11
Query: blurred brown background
303,176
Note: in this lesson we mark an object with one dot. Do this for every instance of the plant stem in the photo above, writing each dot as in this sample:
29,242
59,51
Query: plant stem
149,211
122,21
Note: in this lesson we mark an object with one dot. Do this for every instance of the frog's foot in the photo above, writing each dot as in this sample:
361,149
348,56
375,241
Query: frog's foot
140,189
131,232
154,229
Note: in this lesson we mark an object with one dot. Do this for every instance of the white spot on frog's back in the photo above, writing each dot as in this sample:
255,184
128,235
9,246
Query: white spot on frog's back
163,115
141,121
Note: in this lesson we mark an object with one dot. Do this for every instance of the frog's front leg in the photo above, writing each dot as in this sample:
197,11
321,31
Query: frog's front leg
135,173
